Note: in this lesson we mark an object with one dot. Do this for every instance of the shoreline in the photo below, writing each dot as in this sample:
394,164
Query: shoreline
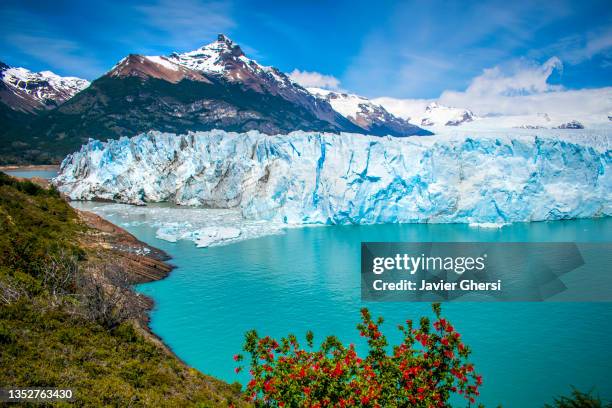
145,263
140,262
43,167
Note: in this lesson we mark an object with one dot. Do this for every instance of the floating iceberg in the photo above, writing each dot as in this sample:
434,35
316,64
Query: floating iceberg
215,235
319,178
205,228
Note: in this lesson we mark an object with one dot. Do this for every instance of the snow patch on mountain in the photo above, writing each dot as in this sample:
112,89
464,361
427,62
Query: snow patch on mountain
163,61
348,105
320,178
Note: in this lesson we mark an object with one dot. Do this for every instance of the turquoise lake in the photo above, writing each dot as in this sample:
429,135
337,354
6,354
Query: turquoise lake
309,279
27,173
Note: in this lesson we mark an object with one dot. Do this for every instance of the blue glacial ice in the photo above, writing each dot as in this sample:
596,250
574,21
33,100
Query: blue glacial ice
320,178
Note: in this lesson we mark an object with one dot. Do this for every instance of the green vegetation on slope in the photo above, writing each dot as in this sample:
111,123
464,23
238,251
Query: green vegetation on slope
48,335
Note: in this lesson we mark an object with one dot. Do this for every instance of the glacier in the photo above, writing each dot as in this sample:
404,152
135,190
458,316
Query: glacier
322,178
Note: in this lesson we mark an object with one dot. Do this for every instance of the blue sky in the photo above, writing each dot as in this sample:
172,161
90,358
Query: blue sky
384,48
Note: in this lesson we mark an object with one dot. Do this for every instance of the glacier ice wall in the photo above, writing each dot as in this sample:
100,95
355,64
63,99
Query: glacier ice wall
319,178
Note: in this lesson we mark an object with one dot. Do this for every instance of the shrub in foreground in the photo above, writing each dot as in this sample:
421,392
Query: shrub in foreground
425,370
579,399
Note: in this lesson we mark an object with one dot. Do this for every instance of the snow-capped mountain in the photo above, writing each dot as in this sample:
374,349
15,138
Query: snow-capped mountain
225,59
324,178
28,91
440,115
224,63
366,114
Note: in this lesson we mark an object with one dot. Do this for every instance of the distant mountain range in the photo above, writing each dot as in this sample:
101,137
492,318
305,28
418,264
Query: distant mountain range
27,91
214,87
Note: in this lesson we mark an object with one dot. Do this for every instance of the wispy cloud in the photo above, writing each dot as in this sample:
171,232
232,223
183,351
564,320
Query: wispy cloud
314,79
33,38
186,25
427,47
577,48
63,55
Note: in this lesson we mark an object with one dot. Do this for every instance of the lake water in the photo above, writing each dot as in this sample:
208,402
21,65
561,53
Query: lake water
309,279
29,173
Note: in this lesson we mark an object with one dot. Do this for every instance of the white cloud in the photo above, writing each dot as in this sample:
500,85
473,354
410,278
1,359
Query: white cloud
526,90
311,79
524,78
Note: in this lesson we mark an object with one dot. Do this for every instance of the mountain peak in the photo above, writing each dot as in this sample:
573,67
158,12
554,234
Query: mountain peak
224,39
224,45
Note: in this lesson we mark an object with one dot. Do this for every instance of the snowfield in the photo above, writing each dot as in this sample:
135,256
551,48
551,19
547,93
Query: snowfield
490,178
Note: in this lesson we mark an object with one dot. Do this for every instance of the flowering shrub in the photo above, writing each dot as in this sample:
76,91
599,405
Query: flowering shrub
424,370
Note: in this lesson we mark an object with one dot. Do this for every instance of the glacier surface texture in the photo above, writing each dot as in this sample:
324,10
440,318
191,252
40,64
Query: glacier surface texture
320,178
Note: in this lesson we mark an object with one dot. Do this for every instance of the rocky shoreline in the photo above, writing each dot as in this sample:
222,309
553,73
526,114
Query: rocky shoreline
115,247
139,261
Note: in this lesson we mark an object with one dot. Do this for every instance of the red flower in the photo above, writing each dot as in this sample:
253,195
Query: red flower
337,370
334,375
